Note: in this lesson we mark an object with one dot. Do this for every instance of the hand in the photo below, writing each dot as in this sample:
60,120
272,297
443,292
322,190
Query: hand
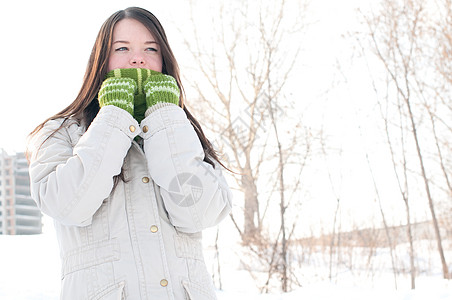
161,88
118,92
139,75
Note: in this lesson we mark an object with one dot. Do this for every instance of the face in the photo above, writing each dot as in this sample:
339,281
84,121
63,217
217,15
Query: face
134,46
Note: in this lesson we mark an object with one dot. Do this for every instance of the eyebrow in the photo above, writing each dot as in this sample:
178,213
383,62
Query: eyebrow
127,42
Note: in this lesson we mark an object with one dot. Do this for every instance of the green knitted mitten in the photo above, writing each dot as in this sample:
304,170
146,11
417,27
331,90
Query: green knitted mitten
161,88
118,92
139,76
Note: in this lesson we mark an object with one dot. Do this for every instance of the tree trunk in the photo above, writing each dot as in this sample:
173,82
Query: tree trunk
410,238
251,230
429,196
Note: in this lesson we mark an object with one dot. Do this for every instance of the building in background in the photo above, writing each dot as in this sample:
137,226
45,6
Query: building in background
18,212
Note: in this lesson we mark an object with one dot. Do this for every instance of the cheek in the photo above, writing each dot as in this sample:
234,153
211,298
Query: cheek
111,64
115,62
156,64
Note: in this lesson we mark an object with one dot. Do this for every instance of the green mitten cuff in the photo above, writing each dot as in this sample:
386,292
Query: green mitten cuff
161,88
118,92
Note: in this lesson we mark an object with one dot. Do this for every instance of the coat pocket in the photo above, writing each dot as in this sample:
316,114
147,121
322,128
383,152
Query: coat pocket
189,245
199,285
194,291
113,292
88,270
90,255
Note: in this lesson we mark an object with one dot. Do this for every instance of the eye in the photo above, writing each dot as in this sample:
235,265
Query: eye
121,49
151,49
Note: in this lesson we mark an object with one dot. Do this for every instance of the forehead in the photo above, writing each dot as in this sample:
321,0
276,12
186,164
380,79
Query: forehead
130,29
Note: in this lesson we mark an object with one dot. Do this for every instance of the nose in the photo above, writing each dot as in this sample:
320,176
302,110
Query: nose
137,60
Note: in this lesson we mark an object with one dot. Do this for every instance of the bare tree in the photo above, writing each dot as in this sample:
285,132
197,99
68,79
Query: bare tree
398,37
335,242
244,74
440,112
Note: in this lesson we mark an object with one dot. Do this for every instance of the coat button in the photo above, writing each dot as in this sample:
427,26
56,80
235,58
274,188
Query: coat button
154,229
132,128
145,179
145,128
163,282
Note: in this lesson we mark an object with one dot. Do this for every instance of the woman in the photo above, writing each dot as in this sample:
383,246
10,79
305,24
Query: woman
127,173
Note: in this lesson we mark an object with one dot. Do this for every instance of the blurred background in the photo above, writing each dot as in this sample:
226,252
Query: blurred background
334,116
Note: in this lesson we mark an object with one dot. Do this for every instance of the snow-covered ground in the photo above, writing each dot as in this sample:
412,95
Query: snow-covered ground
29,270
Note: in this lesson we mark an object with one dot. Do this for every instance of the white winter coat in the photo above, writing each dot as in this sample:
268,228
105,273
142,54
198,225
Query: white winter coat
141,239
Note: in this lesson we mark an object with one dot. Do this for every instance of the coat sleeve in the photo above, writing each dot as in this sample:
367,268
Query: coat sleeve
195,194
70,176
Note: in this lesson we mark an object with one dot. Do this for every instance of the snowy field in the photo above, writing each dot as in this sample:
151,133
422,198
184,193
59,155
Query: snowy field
30,271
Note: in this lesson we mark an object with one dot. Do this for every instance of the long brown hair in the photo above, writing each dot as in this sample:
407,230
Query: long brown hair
85,106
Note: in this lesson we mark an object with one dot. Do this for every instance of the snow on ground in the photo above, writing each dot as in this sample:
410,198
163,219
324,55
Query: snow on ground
30,267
